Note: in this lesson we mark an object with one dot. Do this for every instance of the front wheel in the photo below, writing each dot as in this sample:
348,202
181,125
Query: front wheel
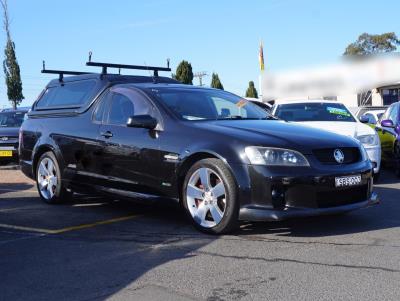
48,180
210,197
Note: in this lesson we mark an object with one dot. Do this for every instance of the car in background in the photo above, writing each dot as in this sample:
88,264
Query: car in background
360,111
10,123
332,116
372,117
388,130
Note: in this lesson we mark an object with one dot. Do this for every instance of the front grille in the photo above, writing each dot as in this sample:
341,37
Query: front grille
333,198
325,155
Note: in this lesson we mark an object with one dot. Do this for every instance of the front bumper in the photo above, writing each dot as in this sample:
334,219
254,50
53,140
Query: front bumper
264,214
374,155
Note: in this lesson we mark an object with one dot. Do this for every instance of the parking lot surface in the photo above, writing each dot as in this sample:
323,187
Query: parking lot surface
94,248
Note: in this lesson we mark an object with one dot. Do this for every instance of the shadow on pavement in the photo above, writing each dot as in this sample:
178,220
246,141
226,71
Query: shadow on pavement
10,187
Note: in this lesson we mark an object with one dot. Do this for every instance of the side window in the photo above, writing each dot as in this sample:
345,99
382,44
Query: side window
126,103
68,94
101,105
393,114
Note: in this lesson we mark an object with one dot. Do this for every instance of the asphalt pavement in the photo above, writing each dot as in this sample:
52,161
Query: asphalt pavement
94,248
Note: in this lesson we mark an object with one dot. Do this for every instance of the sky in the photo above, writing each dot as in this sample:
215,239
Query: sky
214,36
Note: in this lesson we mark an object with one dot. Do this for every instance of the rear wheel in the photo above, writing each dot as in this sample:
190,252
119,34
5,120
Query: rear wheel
48,180
210,197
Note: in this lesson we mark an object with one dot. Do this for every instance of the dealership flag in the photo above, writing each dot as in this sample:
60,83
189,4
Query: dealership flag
261,57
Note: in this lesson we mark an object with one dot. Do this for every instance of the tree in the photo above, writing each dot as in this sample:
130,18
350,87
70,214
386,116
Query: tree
251,91
369,44
184,73
215,82
10,64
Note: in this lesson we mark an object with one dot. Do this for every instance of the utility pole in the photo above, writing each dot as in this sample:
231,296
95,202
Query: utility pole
200,75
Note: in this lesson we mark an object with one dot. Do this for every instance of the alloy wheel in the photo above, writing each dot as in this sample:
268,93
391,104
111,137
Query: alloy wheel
47,178
206,197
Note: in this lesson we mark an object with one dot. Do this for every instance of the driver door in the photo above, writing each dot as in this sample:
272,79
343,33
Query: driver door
131,155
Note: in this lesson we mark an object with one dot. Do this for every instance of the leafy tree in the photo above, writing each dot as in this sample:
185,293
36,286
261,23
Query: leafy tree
10,64
184,73
369,44
215,82
251,90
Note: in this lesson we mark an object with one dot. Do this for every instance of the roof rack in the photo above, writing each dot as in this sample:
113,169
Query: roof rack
61,73
123,66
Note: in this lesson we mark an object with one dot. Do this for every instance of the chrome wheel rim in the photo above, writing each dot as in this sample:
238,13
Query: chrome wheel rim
206,197
47,178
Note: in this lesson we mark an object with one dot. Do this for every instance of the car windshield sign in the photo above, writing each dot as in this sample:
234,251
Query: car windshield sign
314,112
207,104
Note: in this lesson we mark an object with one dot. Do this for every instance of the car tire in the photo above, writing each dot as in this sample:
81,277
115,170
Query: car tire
209,195
49,181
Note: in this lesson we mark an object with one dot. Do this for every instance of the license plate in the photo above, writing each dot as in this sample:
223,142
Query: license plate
5,153
348,181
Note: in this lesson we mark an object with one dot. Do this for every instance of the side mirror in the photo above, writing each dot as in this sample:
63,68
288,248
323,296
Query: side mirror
142,121
364,119
387,123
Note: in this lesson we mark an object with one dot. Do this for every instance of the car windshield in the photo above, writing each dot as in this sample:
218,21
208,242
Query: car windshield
314,112
207,104
11,119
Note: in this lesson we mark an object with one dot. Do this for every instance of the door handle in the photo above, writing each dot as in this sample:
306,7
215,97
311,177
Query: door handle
106,134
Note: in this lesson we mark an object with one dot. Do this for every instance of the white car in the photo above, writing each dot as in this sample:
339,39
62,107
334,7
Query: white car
334,117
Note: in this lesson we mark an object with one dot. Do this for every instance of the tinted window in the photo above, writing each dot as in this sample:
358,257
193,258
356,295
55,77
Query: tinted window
126,103
314,112
204,104
11,119
69,94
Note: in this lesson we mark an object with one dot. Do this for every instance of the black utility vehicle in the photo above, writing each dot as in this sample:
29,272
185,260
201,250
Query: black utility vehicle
10,122
219,155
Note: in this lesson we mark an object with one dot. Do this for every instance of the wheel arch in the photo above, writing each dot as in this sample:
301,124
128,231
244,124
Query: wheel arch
190,160
39,151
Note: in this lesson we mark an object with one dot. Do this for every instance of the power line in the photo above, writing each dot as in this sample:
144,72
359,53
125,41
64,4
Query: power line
200,75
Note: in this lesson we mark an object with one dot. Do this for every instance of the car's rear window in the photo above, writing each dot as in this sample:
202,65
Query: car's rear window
66,95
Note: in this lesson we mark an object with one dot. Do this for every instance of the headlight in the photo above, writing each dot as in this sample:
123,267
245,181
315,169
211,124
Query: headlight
275,156
369,140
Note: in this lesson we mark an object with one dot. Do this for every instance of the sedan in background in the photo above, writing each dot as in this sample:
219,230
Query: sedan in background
332,116
10,122
389,134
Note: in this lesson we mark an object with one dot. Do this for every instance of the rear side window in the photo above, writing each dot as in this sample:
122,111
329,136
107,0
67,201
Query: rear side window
69,94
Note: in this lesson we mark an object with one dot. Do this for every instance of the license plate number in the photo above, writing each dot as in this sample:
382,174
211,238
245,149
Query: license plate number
348,181
5,153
